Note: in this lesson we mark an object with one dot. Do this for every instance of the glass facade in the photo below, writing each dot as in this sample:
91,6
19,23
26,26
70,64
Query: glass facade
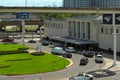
91,3
77,3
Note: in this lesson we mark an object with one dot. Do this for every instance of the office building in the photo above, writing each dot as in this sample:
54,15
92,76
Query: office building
77,3
91,3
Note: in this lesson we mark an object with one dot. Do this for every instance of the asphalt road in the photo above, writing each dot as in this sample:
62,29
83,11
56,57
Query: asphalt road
91,67
70,71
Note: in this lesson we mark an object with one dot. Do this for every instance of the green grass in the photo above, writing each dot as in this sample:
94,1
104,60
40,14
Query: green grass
38,64
11,47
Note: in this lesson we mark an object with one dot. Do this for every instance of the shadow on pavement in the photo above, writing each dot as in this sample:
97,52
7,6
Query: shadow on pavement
102,73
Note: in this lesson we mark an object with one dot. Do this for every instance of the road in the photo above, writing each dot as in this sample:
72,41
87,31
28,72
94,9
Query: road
73,70
91,67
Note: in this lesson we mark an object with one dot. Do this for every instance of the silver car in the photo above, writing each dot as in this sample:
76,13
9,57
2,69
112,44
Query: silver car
70,49
83,77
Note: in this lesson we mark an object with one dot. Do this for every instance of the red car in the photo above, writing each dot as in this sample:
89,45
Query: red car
7,39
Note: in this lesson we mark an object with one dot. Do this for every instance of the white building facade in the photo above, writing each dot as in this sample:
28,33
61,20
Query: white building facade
55,28
106,37
84,28
89,28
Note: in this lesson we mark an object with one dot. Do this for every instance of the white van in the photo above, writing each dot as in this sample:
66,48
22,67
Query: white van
57,51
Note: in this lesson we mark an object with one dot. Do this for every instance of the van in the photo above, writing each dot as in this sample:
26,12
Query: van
57,51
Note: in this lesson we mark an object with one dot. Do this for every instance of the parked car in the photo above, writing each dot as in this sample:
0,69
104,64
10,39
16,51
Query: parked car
84,61
99,59
82,76
7,39
67,55
45,43
88,54
31,41
70,49
57,51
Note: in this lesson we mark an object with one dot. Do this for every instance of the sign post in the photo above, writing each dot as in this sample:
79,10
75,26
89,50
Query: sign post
22,16
115,40
23,31
112,20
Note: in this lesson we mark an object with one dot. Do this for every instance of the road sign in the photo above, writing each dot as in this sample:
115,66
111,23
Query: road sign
107,19
22,15
117,18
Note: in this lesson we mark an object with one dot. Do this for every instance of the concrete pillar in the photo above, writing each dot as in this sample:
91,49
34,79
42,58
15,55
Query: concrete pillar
76,25
72,29
80,30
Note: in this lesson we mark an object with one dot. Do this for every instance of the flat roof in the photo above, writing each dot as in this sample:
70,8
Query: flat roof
74,41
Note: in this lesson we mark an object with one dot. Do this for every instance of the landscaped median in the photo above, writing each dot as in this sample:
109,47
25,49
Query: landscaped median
25,63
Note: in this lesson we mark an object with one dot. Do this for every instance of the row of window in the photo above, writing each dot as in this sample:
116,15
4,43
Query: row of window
52,25
109,30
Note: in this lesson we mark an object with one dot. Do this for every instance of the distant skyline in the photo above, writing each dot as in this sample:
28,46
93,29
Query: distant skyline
34,3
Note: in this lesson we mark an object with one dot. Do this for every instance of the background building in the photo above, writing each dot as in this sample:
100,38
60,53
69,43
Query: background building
107,3
91,3
77,3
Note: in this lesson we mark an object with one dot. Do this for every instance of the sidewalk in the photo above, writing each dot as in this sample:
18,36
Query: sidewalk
109,65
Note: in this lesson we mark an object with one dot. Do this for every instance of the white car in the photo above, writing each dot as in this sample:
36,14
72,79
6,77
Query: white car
57,50
70,49
99,59
83,77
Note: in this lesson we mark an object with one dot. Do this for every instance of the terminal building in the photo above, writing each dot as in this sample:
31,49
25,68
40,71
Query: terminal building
91,3
84,30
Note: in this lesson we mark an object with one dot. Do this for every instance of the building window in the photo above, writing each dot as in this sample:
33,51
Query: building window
117,31
111,30
106,30
102,30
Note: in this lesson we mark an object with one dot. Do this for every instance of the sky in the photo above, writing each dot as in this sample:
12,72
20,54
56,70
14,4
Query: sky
34,3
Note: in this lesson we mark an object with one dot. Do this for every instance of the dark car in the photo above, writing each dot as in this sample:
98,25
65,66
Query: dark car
31,41
45,43
67,55
88,54
83,61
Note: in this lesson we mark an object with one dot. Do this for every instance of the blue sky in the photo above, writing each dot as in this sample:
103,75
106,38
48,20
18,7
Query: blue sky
31,2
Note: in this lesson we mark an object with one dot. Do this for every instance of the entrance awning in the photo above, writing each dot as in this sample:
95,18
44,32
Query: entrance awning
73,41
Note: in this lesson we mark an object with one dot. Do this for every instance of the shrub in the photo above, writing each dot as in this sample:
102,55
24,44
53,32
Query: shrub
12,52
38,53
4,65
23,48
21,59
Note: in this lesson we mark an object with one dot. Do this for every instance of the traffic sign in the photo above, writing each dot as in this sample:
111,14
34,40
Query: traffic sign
117,18
107,18
22,15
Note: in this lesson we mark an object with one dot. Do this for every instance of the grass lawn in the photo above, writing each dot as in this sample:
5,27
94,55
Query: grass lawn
26,63
11,47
